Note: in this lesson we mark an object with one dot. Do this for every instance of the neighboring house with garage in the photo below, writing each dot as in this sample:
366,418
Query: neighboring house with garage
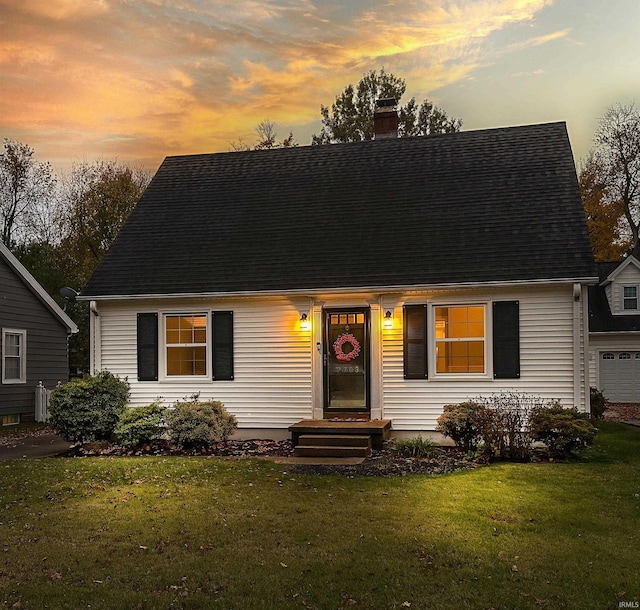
34,335
614,331
380,279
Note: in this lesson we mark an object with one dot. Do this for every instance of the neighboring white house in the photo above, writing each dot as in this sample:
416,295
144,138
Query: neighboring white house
614,331
380,279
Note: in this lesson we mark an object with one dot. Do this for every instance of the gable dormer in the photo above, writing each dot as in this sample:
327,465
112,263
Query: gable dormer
622,287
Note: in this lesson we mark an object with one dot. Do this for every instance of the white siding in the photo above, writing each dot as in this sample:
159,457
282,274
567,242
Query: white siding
546,359
629,276
272,365
275,362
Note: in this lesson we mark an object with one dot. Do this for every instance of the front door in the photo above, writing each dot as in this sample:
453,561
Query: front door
346,361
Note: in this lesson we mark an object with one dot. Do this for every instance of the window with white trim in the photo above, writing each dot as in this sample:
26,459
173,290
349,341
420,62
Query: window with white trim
14,356
185,344
460,338
630,298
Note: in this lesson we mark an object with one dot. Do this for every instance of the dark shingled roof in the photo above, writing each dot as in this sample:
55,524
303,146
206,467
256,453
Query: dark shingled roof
601,320
475,206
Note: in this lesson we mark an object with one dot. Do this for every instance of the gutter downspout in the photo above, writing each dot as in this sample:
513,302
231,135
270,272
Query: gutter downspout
95,358
578,358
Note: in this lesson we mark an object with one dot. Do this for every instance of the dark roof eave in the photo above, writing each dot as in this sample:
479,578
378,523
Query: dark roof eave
589,281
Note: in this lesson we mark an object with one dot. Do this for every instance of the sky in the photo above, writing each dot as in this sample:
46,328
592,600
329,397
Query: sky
138,80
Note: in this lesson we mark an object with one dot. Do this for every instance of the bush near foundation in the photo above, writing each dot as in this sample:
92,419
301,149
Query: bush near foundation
562,430
195,424
140,425
504,425
88,408
461,423
598,403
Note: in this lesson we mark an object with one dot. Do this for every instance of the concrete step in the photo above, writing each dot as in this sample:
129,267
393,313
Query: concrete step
333,452
335,440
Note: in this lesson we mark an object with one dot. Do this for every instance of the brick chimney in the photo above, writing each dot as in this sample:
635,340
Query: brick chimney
385,119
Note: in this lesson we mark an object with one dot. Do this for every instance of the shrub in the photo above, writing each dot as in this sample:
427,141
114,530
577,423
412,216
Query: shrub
460,423
504,424
192,423
138,425
416,447
87,408
561,430
598,403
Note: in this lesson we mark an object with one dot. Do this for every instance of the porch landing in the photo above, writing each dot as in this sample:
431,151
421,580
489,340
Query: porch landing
378,430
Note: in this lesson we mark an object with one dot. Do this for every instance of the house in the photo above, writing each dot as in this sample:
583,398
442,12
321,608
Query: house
33,340
614,331
380,279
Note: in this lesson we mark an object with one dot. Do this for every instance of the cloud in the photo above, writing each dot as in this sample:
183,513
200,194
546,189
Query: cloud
156,77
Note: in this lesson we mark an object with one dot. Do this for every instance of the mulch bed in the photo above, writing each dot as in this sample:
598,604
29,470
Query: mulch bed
386,462
381,463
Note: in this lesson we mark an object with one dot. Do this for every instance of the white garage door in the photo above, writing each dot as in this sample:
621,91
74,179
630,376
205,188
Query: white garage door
620,376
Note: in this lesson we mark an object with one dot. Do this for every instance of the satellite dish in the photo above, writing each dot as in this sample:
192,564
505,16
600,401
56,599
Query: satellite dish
68,294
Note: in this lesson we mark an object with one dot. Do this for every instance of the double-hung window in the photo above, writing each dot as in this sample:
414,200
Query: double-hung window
186,344
630,298
175,345
14,356
460,338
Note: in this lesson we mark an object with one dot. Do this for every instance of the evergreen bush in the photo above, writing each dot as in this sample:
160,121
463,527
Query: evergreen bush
87,409
461,424
194,423
139,425
561,430
598,403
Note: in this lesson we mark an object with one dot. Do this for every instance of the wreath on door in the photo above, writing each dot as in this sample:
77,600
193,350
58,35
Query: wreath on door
339,343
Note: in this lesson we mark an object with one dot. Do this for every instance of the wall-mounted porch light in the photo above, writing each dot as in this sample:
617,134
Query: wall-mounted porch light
305,323
388,320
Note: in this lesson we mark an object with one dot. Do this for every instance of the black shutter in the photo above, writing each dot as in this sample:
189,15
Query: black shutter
506,340
147,347
222,345
415,342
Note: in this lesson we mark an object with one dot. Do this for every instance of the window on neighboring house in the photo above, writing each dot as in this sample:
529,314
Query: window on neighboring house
608,356
14,356
624,356
186,344
460,338
630,297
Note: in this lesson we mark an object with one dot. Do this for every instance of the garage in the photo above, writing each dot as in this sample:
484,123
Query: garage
620,375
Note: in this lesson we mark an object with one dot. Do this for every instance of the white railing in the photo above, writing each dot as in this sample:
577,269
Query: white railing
42,402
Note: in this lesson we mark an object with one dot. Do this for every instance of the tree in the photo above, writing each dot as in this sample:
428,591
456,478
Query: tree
98,198
267,138
617,152
605,215
350,118
27,192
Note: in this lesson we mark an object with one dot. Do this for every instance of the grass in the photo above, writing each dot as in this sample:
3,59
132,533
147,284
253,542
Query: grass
224,533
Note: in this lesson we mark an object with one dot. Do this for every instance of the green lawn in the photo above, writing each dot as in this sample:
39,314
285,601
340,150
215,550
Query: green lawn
223,533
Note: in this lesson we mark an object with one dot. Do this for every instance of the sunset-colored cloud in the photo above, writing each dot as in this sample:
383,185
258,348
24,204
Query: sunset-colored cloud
146,78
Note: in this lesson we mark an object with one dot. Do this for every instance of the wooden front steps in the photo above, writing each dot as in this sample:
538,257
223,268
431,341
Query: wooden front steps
330,438
333,445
